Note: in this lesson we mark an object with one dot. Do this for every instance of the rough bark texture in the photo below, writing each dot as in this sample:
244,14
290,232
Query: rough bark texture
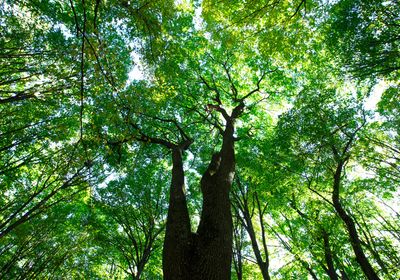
351,227
177,240
206,254
214,246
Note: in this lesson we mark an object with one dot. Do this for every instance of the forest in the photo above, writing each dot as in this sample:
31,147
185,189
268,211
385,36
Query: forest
200,139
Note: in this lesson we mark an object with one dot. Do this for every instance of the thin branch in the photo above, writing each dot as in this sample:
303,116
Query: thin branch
173,121
298,8
96,9
233,87
82,87
258,86
214,89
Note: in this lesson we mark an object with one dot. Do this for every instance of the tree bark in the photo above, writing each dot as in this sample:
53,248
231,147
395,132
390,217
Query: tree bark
206,254
214,247
350,226
328,257
177,242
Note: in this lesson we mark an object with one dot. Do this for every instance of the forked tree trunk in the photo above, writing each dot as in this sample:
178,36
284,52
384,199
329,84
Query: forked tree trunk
206,254
214,245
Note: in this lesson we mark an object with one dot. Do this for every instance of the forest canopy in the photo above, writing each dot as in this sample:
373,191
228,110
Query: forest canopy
199,139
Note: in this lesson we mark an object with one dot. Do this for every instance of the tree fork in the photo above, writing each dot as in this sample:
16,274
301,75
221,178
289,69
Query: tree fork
206,254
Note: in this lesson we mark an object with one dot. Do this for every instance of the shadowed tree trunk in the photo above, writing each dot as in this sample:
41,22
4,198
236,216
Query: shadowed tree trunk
355,241
214,247
328,256
177,242
329,268
206,254
341,157
245,214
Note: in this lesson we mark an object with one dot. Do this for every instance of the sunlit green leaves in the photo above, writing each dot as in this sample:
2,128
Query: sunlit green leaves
79,173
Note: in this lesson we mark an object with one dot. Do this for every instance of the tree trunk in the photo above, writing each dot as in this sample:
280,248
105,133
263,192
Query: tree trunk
237,255
263,265
328,257
351,228
206,254
344,275
309,269
214,247
177,240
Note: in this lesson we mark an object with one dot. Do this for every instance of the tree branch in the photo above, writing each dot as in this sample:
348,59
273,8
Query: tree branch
258,87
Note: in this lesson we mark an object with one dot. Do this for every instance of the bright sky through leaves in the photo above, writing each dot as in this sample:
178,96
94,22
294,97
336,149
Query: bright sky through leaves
217,139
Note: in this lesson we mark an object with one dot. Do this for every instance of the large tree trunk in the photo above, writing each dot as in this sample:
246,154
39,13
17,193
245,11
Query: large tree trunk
206,254
214,246
177,242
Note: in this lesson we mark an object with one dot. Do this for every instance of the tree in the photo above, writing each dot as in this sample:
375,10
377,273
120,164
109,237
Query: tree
241,105
245,204
367,32
130,218
338,135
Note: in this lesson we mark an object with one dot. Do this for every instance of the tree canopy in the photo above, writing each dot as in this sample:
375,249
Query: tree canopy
199,139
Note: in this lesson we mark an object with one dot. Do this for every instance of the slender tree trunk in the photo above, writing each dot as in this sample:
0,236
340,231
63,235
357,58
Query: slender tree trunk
250,230
344,275
369,244
264,265
309,269
328,257
351,228
237,254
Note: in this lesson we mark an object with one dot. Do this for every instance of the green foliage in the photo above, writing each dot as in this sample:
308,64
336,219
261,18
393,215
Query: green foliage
85,187
366,35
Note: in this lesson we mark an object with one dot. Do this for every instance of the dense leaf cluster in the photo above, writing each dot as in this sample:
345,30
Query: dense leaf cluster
93,95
